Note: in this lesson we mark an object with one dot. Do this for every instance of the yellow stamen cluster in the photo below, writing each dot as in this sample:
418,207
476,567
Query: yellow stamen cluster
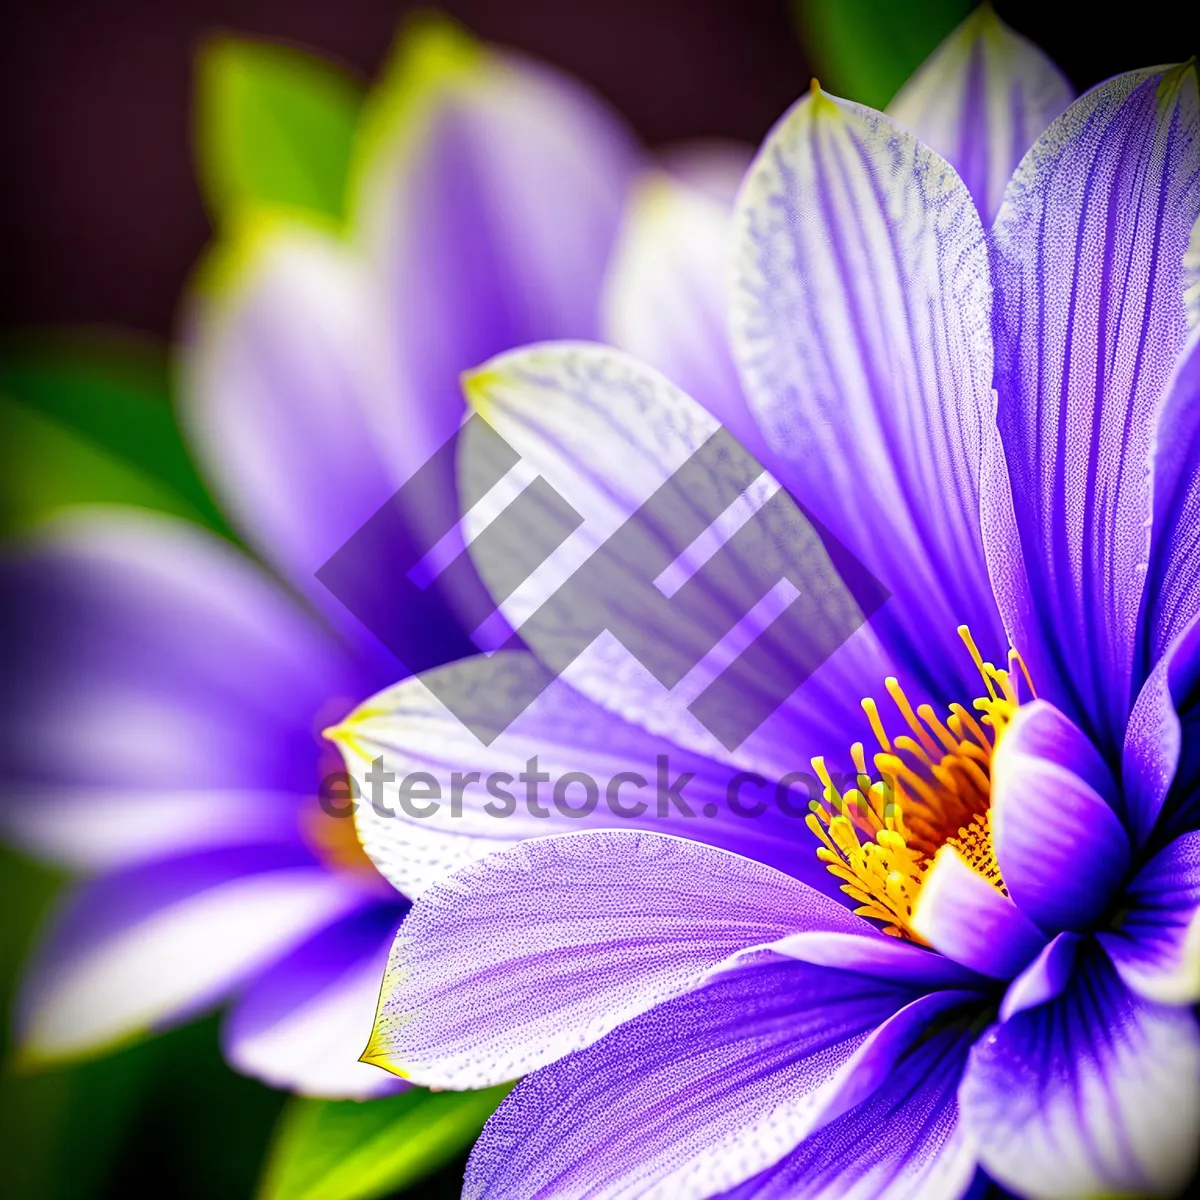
934,789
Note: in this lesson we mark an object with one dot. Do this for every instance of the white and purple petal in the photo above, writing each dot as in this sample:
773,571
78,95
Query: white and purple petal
138,950
1060,846
904,1142
969,920
1088,252
860,318
704,1091
468,799
1156,945
533,952
303,1023
1095,1093
981,99
741,575
169,694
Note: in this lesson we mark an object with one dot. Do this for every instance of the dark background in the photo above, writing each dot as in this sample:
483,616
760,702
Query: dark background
100,217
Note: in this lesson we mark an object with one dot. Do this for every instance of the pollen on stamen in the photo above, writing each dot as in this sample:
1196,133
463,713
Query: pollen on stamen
933,789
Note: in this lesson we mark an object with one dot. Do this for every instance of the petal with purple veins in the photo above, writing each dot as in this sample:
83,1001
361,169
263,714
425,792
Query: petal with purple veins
468,799
904,1142
1156,946
860,313
542,949
966,918
981,99
1094,1093
303,1024
664,573
704,1091
1061,849
1089,320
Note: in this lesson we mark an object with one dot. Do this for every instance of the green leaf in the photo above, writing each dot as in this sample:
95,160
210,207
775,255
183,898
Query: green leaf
865,49
351,1150
61,1131
26,891
274,126
202,1127
168,1108
88,419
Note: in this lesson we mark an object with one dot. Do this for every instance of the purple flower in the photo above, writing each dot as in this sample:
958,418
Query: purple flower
166,735
1005,428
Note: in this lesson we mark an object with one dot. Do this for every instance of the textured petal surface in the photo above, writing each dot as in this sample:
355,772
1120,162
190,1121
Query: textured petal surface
1156,948
666,298
168,696
528,954
140,949
1061,848
1089,321
489,204
860,326
1172,597
654,491
1095,1093
590,770
981,99
700,1093
904,1142
960,914
303,1024
287,403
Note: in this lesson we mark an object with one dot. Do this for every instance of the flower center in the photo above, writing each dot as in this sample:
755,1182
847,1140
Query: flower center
933,789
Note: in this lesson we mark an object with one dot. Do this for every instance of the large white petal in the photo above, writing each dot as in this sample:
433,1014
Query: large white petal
718,600
1095,1093
981,99
136,951
860,323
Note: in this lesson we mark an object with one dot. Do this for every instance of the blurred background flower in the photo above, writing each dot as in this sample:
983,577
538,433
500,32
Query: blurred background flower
105,225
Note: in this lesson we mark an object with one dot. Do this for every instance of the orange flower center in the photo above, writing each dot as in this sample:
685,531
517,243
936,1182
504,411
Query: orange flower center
933,789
